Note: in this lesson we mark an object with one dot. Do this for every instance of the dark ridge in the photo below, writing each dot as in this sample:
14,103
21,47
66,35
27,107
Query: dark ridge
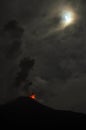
24,109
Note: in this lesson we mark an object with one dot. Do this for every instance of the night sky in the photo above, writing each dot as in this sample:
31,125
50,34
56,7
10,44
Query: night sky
58,48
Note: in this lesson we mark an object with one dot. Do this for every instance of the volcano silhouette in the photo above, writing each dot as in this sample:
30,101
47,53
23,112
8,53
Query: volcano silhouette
24,109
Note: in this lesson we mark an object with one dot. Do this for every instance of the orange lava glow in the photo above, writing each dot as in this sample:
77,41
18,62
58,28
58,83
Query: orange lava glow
33,96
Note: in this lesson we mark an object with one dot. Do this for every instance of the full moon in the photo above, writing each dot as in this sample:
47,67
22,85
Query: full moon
68,17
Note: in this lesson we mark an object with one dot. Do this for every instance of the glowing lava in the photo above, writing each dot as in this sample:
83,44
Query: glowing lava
33,96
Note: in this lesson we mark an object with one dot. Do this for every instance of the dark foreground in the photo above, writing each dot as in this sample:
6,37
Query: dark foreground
25,110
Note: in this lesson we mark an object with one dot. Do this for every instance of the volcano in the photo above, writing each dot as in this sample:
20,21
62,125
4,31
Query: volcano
24,109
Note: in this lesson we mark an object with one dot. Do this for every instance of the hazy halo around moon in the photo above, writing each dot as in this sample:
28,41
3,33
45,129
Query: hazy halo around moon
68,17
66,12
58,17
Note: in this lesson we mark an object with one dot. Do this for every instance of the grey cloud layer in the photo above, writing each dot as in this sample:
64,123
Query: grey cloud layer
61,57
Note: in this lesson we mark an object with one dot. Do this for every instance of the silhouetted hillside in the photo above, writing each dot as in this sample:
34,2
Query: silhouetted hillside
25,109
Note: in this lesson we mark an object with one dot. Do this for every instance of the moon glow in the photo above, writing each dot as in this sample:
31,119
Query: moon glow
68,17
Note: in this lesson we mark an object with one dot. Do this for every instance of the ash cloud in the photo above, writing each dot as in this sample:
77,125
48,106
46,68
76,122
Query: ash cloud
25,66
15,32
10,56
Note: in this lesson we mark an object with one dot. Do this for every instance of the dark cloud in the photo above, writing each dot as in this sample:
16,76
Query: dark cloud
25,66
15,33
14,50
14,29
10,56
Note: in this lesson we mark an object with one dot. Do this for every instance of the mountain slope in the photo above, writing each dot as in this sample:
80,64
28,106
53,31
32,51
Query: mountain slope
24,109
